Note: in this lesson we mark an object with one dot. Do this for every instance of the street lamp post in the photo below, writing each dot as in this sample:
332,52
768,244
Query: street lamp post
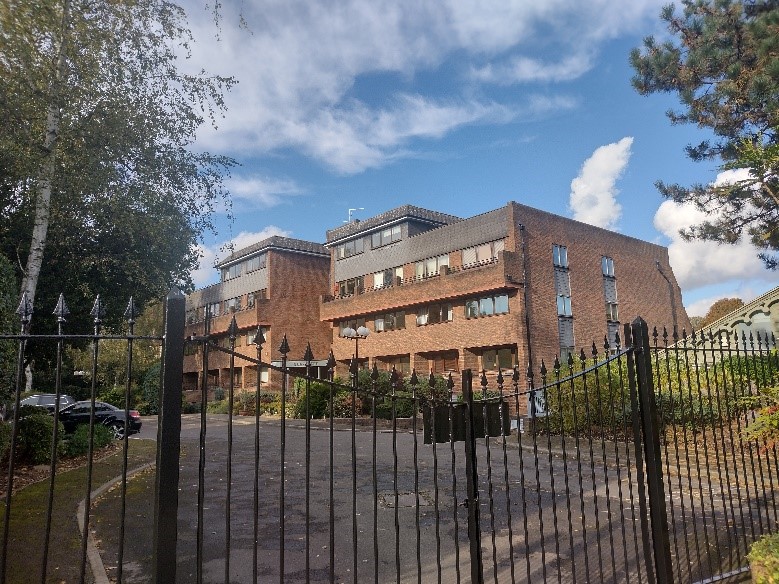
361,333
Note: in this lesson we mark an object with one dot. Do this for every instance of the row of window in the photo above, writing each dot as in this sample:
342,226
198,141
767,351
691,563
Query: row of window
560,260
250,265
377,239
433,314
226,306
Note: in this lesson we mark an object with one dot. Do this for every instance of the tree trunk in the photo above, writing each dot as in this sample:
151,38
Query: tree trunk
48,165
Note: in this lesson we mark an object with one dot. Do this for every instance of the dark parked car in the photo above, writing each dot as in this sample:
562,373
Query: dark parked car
106,414
42,400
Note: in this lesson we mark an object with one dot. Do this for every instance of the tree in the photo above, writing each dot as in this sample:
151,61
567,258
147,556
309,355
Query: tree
723,63
720,308
98,175
8,325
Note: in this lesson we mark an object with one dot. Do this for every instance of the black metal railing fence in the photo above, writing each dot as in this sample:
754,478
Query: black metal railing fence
630,462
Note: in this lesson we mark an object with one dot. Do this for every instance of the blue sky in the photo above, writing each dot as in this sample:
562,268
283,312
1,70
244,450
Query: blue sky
455,106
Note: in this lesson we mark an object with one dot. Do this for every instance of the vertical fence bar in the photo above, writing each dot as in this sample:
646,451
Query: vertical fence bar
654,470
168,442
283,349
474,530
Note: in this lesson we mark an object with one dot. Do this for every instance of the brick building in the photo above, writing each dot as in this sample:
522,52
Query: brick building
275,284
504,288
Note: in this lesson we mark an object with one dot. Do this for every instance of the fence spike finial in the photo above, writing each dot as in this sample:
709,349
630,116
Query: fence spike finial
308,356
556,365
431,379
543,369
582,357
284,347
617,340
413,380
499,379
375,372
450,383
655,334
594,351
606,345
515,375
25,311
131,311
98,310
570,360
484,379
61,311
665,335
394,378
259,337
232,330
331,361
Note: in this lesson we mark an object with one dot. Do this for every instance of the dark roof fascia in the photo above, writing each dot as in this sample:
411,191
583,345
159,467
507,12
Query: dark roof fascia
388,218
277,243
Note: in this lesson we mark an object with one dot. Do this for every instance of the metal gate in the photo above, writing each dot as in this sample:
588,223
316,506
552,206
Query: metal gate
626,463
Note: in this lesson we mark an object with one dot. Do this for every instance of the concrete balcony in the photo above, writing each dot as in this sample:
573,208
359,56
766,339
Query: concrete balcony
503,272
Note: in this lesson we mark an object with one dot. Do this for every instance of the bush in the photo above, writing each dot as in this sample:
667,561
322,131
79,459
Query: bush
150,389
218,407
319,397
35,433
190,408
113,396
78,443
5,440
219,394
764,560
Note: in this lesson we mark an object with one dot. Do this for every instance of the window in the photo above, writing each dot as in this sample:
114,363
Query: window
560,256
351,286
434,313
385,236
237,377
499,359
563,305
191,316
232,305
401,363
607,265
390,321
353,324
213,308
383,278
483,253
232,272
256,263
487,306
350,248
431,266
444,362
612,312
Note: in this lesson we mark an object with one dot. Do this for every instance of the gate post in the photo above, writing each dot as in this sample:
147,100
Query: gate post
472,480
652,454
168,442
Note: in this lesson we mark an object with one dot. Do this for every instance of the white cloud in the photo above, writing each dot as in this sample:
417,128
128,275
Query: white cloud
261,192
593,197
521,69
299,62
205,274
701,263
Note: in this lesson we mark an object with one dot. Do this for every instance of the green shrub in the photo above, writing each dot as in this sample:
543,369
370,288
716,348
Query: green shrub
150,389
219,394
5,440
190,408
34,443
764,560
319,396
78,443
218,407
342,404
270,404
114,396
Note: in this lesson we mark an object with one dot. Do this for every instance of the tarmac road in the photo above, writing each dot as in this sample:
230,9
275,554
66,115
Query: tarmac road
546,544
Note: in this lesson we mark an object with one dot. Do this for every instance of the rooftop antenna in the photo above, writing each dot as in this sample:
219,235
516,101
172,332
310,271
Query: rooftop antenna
350,213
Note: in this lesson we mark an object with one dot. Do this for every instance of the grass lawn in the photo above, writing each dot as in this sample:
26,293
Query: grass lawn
28,519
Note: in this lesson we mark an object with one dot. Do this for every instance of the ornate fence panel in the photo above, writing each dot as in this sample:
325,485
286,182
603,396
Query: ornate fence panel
629,462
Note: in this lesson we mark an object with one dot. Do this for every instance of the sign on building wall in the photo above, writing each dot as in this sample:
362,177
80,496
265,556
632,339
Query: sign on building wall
536,404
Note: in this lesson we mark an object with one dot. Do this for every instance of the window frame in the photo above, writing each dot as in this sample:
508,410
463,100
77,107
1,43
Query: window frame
564,305
607,266
560,256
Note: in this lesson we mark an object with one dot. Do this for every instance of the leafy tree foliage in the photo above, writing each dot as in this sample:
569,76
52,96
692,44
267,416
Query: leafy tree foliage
723,64
98,174
8,324
720,308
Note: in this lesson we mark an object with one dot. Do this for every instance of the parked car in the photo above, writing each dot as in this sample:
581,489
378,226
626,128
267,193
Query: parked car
106,414
45,401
